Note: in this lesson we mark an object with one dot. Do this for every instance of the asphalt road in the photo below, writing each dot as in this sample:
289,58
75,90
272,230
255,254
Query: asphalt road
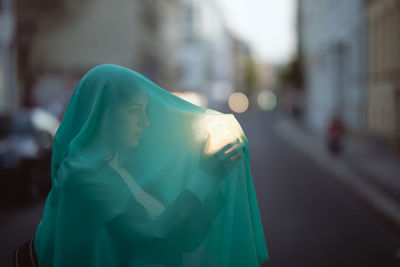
310,218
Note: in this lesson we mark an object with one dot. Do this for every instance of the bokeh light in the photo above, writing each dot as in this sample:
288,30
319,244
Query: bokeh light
238,102
266,100
192,97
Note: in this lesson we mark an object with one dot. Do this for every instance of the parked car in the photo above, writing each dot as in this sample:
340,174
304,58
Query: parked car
26,141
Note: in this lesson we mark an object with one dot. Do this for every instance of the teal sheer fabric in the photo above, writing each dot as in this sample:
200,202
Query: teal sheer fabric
141,177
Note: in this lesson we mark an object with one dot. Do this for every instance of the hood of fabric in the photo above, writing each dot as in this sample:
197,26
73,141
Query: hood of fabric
127,174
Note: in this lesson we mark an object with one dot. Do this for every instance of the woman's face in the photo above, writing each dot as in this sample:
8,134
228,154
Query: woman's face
134,119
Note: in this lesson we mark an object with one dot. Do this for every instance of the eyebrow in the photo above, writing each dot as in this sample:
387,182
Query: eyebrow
136,104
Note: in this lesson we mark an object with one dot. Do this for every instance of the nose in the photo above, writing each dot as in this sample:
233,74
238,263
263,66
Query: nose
145,121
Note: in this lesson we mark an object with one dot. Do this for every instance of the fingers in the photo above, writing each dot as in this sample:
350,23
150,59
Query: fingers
227,147
237,156
234,152
231,163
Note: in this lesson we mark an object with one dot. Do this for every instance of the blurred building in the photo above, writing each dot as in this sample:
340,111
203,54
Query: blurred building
9,97
332,46
206,50
241,54
383,108
58,41
182,45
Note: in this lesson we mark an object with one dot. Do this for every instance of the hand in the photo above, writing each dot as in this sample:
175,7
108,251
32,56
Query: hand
219,164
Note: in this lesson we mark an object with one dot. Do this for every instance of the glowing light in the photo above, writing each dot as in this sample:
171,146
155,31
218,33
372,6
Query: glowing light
192,97
220,130
266,99
238,102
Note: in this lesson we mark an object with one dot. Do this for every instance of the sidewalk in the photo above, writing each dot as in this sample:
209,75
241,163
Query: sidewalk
376,162
369,168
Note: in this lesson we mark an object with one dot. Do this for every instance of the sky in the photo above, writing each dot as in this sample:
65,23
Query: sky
267,25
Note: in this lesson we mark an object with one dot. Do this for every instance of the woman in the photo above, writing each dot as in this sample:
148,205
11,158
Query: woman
134,182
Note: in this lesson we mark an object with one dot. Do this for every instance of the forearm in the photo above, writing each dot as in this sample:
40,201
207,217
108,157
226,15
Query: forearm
182,226
202,184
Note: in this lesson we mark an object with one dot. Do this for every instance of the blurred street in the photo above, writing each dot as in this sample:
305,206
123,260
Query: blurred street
315,86
310,217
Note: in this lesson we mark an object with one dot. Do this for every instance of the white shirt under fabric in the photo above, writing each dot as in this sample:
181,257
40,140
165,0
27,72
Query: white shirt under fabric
200,185
152,205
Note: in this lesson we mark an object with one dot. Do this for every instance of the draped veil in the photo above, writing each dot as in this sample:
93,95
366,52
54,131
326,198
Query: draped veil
134,182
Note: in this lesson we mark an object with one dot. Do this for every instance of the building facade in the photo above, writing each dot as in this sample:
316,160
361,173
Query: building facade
383,83
60,42
332,46
207,61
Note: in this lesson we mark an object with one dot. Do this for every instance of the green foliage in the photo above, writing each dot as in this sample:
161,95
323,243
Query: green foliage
291,75
250,76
